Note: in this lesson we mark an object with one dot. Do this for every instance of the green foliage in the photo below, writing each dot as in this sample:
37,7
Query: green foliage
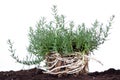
58,36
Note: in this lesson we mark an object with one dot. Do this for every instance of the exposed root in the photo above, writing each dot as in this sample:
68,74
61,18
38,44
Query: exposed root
71,64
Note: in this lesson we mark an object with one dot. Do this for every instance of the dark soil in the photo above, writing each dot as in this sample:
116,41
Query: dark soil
36,74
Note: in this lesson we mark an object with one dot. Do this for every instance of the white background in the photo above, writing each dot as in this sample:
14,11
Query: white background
16,16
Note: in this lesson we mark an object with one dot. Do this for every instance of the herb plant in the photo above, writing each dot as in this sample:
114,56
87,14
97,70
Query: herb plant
59,37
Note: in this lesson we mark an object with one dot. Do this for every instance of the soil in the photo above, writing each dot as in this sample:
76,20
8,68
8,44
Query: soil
37,74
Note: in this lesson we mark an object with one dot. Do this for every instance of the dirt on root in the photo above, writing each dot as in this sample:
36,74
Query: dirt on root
37,74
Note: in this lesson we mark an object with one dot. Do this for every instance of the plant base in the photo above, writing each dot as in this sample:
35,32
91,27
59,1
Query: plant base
69,64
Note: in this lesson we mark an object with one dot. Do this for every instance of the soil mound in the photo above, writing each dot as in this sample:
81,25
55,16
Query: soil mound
37,74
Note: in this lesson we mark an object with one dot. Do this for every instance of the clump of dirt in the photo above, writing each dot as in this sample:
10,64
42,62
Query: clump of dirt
37,74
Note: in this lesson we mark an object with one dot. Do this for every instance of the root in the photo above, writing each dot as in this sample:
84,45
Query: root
72,64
